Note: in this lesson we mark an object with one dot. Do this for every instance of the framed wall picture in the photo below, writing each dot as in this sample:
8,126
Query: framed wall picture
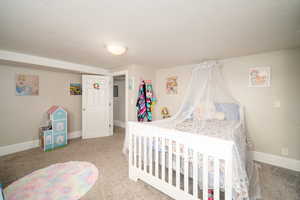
171,85
75,89
27,85
260,77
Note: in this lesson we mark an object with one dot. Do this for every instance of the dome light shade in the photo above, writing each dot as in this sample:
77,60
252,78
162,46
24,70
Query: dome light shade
116,49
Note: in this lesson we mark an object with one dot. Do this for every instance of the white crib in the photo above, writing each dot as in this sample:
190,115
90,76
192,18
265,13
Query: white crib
150,162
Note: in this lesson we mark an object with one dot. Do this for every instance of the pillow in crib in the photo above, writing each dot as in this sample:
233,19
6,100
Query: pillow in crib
219,116
231,110
199,113
208,112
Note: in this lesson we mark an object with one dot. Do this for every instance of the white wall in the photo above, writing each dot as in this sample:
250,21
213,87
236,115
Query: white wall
119,102
270,128
172,102
21,115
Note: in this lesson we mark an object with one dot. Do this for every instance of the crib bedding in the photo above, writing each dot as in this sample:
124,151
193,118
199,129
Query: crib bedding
214,128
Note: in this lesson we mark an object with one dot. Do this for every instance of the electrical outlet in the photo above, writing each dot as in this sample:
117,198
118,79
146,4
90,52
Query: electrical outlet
284,151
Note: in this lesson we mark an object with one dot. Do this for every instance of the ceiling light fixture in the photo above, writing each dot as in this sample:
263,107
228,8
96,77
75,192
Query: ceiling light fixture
116,49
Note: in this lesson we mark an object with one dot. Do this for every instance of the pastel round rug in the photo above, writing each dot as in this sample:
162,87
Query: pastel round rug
62,181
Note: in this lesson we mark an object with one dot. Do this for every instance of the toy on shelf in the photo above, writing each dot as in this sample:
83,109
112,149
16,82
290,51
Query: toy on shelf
55,134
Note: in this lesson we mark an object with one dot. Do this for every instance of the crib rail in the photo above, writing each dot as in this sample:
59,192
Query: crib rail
169,160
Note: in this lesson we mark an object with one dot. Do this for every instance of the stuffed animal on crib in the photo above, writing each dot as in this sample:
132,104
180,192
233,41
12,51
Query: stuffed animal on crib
165,113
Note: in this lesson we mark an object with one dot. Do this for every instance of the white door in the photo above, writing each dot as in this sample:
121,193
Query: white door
96,106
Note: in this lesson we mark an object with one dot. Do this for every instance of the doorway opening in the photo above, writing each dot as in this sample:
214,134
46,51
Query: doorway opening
119,101
120,95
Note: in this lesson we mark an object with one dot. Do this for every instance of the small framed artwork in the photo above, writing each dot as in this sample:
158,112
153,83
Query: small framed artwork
260,77
75,89
171,85
27,85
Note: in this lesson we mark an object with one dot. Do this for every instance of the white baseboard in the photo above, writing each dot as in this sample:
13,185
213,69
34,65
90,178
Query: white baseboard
119,123
13,148
74,134
278,161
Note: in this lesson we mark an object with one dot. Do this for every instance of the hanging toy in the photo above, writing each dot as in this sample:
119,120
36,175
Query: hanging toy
150,94
145,101
149,100
141,102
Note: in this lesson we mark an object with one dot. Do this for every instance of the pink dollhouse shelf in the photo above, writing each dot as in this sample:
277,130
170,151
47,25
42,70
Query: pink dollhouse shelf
52,109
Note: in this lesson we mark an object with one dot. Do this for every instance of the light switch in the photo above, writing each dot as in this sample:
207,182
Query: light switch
276,104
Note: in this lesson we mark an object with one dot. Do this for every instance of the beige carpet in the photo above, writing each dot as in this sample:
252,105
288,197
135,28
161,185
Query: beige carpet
105,153
113,182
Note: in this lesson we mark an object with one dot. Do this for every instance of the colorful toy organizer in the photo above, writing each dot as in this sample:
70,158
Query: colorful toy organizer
55,135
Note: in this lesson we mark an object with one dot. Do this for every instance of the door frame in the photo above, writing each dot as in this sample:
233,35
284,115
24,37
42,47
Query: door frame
119,73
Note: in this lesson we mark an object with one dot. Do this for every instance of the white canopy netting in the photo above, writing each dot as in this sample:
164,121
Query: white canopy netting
209,109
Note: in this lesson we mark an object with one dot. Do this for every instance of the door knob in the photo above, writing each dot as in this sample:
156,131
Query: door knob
83,109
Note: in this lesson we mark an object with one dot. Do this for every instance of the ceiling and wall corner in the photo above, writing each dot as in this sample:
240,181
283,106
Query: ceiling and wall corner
160,33
47,63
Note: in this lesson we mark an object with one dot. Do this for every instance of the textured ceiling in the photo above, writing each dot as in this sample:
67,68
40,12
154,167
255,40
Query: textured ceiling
157,33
